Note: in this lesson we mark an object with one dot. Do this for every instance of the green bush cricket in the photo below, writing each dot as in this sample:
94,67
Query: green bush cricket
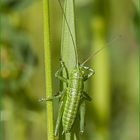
73,97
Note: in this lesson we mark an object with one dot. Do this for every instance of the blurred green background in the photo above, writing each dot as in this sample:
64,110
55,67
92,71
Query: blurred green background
113,112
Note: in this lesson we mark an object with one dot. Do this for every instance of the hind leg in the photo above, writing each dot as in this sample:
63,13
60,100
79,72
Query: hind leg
82,116
86,96
59,118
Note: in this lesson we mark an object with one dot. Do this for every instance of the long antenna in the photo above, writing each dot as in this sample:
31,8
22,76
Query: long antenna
99,50
75,49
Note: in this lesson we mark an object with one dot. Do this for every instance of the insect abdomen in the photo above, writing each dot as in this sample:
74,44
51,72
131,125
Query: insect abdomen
70,111
74,91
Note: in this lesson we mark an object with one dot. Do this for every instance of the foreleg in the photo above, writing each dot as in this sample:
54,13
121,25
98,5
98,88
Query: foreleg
58,74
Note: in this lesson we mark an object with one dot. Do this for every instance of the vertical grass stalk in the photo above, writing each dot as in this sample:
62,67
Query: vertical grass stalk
101,80
1,92
10,127
49,105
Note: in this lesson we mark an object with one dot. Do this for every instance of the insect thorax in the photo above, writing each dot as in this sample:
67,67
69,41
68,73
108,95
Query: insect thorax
76,80
77,73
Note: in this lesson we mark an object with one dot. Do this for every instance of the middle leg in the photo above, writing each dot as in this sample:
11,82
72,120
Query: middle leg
53,97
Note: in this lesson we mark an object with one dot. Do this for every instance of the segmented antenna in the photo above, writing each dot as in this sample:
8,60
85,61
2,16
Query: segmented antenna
75,49
99,50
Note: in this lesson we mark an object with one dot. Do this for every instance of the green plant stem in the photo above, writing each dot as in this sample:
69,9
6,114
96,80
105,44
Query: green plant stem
48,79
11,133
1,91
101,80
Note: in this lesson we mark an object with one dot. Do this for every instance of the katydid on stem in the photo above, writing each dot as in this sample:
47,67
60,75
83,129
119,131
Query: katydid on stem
73,97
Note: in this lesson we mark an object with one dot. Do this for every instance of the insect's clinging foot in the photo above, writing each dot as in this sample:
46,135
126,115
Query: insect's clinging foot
63,132
81,132
47,99
42,99
61,61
